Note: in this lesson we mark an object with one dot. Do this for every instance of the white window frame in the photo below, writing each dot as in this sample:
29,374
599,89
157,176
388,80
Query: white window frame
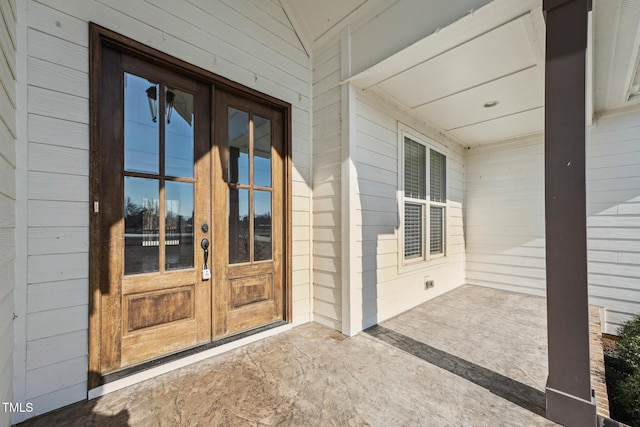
408,265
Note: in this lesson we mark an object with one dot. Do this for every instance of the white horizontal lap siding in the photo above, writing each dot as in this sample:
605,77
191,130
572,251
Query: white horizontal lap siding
387,289
248,41
613,222
327,251
504,216
301,217
7,201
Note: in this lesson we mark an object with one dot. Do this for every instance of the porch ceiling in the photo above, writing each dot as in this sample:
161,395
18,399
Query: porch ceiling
494,53
497,54
453,78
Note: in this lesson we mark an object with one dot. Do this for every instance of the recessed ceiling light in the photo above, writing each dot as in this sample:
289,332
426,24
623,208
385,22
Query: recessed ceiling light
491,104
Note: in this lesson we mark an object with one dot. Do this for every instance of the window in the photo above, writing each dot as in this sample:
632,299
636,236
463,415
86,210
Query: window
424,199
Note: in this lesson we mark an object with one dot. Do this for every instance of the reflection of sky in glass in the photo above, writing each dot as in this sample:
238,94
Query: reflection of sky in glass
238,135
140,188
141,133
179,198
262,203
243,204
179,136
262,151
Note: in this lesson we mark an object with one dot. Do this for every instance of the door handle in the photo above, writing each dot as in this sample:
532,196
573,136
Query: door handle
205,245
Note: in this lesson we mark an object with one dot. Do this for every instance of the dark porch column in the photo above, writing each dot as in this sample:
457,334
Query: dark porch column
568,390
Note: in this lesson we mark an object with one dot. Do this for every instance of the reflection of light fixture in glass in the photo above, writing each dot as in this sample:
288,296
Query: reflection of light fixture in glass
170,97
152,97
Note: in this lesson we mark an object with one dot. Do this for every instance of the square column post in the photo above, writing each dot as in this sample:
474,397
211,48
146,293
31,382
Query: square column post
568,392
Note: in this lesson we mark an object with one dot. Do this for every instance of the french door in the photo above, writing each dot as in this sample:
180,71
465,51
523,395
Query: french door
188,213
249,190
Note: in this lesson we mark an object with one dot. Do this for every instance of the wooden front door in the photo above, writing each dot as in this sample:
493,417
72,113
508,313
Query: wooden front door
155,199
176,161
248,188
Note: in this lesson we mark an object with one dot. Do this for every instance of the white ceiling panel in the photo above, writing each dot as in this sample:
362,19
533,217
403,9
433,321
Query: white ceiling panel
524,123
516,93
498,53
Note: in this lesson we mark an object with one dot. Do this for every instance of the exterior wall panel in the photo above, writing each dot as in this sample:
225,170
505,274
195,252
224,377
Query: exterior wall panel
249,42
386,289
8,136
613,221
327,149
504,216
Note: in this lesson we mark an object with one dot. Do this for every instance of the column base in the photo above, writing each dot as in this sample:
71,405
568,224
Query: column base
570,411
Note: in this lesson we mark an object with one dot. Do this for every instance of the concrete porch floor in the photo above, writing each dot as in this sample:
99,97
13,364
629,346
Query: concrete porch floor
472,357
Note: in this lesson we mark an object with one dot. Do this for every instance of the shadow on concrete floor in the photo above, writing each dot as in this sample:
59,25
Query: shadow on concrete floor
514,391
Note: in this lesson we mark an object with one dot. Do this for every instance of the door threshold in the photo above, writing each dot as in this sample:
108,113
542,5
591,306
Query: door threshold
151,369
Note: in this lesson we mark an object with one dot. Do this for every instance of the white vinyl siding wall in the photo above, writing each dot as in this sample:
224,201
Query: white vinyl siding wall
248,41
613,222
327,234
8,15
387,292
504,216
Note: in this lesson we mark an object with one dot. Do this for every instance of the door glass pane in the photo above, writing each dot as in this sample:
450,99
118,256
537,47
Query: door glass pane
239,239
238,146
178,225
141,130
141,225
179,133
261,151
262,225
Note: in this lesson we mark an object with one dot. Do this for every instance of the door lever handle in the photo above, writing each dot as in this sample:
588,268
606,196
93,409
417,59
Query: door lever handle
205,245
